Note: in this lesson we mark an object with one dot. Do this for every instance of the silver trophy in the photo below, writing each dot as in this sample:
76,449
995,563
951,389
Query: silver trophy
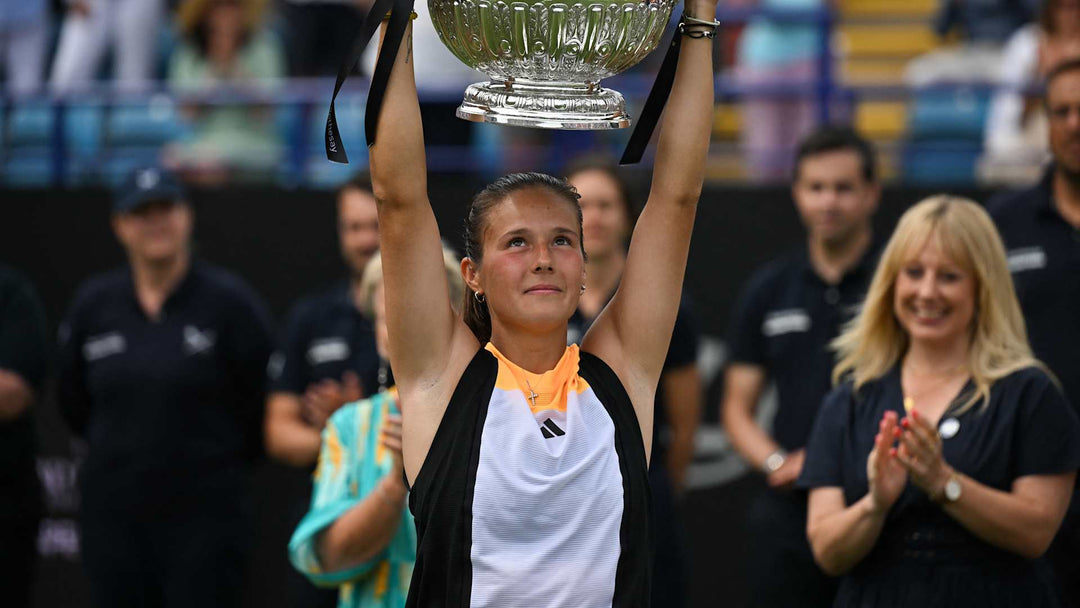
546,58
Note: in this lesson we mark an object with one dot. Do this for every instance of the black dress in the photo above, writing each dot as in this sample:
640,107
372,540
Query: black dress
923,556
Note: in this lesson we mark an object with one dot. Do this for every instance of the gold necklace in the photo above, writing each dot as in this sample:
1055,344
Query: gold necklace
532,394
942,378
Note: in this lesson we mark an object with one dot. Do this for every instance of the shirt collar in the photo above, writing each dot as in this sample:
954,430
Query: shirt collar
186,285
864,267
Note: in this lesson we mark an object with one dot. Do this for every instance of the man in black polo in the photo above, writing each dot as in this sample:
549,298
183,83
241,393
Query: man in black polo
787,315
326,358
1041,230
23,357
162,369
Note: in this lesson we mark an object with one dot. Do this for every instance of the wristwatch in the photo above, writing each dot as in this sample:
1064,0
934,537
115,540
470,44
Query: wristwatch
775,461
952,490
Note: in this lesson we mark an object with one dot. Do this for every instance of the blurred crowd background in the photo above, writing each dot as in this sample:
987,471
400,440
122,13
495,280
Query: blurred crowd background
232,96
236,91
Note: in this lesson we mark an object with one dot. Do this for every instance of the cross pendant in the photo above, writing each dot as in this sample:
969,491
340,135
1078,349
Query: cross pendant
532,396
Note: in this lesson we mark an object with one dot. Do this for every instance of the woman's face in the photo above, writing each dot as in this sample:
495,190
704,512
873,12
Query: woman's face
155,232
934,297
603,213
226,18
532,268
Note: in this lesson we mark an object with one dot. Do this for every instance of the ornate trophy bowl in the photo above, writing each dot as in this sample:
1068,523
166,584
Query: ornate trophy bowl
546,58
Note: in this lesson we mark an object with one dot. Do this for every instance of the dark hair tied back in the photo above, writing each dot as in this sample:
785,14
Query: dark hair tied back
476,218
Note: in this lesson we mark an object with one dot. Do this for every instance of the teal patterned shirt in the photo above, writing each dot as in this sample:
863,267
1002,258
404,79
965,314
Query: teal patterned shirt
351,463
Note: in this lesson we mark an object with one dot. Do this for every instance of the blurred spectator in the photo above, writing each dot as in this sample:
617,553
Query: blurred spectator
23,357
24,33
991,21
326,358
1041,230
941,465
1015,137
984,27
320,33
162,370
776,55
788,314
608,216
129,28
226,48
359,534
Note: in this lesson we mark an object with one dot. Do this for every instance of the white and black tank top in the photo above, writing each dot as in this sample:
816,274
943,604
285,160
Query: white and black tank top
534,493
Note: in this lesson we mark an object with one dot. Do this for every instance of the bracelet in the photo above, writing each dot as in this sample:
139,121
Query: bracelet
695,21
696,34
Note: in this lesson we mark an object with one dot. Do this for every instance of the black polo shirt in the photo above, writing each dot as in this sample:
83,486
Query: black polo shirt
326,335
784,321
165,405
1043,251
682,351
24,340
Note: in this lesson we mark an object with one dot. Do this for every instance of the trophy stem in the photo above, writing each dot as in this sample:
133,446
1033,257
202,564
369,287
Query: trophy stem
545,105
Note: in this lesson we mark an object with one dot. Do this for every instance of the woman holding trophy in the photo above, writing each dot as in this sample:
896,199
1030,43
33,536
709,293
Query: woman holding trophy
527,459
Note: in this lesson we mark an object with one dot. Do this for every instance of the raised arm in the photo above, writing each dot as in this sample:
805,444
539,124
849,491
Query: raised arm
429,344
421,323
633,332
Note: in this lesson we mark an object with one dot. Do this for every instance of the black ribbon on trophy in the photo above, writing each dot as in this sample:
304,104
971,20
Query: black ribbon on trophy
400,11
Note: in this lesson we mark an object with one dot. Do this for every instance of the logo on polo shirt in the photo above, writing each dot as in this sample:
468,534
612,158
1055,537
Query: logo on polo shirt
275,365
198,341
103,345
786,321
327,350
1026,258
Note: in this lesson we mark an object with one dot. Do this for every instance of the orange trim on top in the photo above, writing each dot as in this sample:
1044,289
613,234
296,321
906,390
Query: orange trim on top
551,387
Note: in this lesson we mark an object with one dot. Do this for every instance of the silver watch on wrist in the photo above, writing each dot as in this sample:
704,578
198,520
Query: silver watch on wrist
775,460
952,490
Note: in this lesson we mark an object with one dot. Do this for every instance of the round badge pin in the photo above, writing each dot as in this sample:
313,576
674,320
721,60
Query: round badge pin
949,428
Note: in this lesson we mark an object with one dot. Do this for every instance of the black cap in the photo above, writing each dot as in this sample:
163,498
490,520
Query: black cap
147,185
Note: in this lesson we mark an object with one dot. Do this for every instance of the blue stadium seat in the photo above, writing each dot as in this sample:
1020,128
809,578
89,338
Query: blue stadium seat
29,167
31,123
940,114
940,163
156,121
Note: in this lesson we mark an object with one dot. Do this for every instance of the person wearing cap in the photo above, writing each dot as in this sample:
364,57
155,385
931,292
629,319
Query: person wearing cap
326,358
162,370
789,312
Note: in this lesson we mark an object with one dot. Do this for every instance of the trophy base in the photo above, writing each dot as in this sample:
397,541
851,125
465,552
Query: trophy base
545,105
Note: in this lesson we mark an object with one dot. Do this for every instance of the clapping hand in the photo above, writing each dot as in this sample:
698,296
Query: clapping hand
883,468
920,453
390,438
323,398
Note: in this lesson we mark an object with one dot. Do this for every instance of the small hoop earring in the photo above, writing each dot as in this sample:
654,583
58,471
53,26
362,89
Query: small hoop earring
479,297
582,289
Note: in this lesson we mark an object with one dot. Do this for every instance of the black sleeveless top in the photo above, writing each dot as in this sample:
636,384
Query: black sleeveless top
539,506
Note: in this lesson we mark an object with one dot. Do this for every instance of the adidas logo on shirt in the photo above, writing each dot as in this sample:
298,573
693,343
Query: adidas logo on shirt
549,429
